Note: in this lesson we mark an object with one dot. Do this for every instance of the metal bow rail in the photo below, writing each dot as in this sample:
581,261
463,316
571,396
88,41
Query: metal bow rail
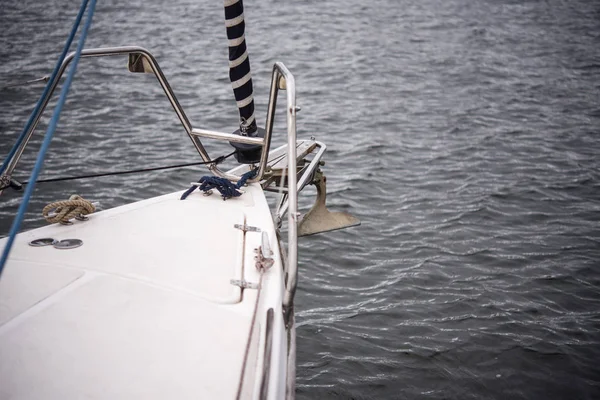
282,79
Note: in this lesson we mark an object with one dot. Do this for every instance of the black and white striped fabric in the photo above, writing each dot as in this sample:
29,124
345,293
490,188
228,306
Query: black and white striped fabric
239,65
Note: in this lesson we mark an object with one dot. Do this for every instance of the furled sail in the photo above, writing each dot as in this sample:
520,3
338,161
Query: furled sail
239,63
241,80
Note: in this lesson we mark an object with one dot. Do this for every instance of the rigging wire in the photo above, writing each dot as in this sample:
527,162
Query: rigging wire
53,122
132,171
29,82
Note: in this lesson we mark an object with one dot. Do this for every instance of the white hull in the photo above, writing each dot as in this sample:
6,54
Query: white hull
145,308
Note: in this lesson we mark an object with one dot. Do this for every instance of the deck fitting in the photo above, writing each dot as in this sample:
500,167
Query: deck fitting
246,228
244,284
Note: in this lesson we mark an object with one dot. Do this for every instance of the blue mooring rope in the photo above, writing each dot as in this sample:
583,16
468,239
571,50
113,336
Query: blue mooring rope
227,188
53,122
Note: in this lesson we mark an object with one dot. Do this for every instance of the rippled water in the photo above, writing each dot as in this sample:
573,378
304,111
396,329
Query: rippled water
464,134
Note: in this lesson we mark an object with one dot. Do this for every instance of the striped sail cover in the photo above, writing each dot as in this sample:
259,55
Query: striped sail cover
239,65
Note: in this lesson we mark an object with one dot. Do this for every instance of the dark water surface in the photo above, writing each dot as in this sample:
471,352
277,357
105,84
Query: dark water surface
464,134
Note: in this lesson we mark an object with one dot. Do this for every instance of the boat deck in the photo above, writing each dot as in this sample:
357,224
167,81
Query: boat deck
144,309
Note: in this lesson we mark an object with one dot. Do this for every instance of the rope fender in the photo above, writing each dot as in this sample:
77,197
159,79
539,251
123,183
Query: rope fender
65,210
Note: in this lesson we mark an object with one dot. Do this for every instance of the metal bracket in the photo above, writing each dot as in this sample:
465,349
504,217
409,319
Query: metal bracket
244,284
263,257
246,228
4,182
261,261
7,182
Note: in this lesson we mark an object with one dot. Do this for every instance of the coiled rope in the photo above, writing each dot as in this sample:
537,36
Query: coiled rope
53,121
64,211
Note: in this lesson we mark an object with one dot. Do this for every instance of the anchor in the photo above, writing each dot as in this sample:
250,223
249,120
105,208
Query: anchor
319,219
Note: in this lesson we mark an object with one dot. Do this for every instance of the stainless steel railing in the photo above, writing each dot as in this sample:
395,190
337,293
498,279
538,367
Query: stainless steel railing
289,84
111,51
282,79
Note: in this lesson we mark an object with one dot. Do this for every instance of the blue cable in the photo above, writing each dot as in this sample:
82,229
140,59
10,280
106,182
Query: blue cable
48,137
51,81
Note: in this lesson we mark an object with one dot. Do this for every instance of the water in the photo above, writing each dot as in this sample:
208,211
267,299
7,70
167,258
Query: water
463,133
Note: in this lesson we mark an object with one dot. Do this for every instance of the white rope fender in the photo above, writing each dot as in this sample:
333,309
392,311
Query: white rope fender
66,210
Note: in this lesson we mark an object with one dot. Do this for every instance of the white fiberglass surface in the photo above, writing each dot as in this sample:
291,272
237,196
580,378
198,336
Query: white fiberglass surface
143,309
108,337
189,245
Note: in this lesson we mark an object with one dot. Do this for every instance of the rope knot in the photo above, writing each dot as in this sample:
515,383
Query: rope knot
227,188
76,207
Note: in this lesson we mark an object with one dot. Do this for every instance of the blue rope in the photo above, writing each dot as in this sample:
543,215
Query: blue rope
49,85
49,133
227,188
